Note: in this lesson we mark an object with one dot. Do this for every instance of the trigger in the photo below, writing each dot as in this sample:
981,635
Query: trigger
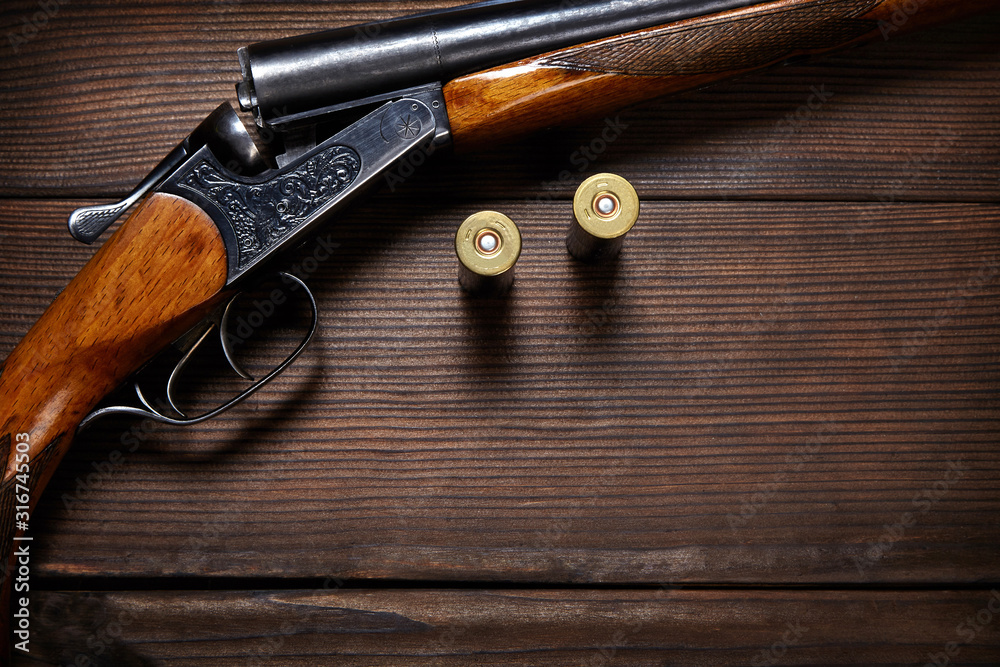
176,372
227,349
188,344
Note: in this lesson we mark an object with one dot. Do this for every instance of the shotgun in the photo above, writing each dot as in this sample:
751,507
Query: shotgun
343,112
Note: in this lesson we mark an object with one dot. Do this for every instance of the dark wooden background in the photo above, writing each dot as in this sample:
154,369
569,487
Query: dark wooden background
704,454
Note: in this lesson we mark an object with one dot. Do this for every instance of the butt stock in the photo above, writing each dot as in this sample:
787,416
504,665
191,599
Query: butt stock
154,279
597,78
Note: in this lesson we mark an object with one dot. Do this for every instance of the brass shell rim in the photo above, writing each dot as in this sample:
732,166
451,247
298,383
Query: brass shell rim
488,265
600,226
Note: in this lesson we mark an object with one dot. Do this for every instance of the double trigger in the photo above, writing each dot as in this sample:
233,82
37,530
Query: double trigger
219,322
264,210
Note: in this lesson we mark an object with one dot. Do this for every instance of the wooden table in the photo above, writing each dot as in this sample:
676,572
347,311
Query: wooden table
767,435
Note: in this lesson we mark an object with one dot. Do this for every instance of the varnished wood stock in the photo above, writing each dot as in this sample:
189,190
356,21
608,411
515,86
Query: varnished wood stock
598,78
152,280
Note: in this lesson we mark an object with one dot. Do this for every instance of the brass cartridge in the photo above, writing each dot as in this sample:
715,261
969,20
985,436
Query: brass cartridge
604,209
488,245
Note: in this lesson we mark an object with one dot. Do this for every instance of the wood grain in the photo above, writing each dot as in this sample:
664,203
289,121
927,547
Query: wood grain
595,79
152,281
644,425
662,627
96,99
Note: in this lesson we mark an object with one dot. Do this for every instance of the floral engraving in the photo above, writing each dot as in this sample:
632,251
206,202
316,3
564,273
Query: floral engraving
264,213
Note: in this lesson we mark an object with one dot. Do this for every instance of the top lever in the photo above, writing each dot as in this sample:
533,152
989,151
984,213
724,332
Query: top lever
222,131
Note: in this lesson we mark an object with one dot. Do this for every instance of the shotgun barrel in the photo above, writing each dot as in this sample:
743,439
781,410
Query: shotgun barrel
299,74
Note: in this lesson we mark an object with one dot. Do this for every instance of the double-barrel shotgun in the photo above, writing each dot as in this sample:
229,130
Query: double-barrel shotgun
336,114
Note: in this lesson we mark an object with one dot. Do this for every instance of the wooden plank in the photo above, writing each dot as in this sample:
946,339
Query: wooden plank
103,91
518,627
785,393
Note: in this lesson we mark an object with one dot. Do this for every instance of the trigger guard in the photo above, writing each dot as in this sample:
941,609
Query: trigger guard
149,412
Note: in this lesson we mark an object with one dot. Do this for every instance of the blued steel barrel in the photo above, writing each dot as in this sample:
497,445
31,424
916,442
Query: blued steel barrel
296,75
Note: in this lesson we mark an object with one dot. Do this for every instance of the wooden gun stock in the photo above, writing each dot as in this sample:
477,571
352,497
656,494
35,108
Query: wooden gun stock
597,78
154,278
